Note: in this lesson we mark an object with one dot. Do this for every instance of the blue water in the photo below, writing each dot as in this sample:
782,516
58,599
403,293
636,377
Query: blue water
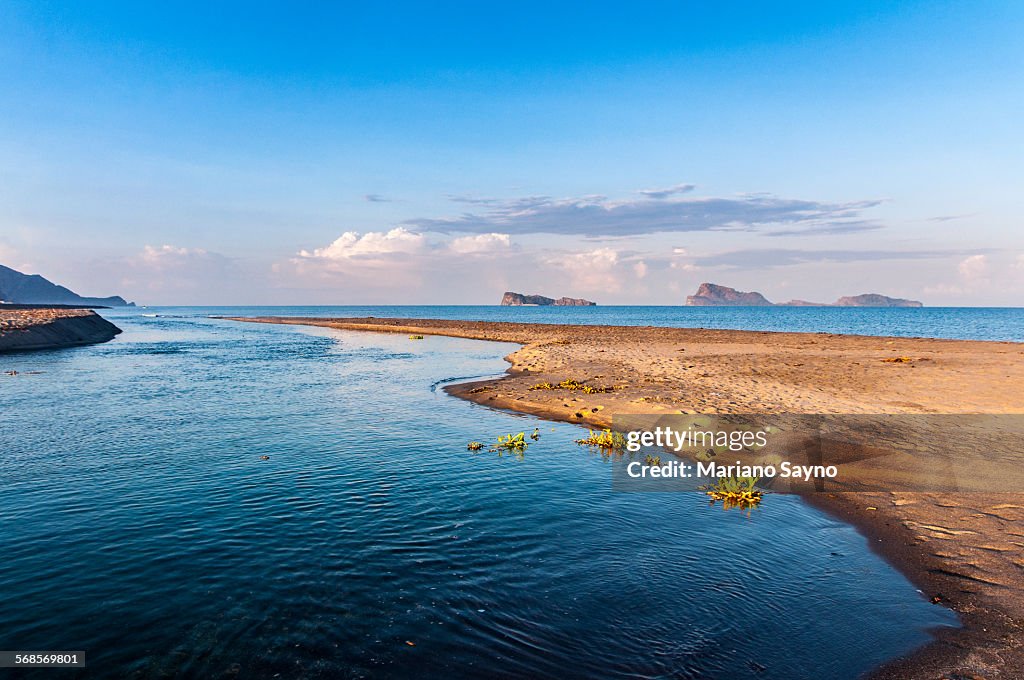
141,525
968,323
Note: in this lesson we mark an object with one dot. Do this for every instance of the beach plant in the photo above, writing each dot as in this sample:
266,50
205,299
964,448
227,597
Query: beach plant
735,492
653,461
536,434
898,360
605,439
415,337
512,442
474,446
573,385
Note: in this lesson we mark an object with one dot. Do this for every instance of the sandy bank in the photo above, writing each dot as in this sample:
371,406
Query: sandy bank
965,548
51,328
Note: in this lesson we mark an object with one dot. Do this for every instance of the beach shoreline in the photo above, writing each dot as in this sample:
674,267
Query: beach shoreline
964,550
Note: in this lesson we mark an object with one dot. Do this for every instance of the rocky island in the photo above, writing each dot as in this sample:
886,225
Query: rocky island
714,295
510,299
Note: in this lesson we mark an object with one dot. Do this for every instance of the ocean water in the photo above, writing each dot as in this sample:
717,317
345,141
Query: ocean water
141,524
968,323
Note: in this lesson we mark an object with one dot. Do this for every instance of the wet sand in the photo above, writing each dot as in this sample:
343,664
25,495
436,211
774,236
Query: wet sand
964,549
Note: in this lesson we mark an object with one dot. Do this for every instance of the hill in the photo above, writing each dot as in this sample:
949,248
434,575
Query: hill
33,289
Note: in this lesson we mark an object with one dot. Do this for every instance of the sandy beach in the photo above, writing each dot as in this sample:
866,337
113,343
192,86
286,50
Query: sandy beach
964,550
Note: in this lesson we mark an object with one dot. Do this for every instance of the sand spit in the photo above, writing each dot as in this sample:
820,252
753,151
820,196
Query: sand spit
964,550
52,328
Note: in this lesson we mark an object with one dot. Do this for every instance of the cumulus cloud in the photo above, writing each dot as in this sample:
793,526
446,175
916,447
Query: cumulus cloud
591,270
601,216
378,265
481,243
171,257
170,269
371,245
973,268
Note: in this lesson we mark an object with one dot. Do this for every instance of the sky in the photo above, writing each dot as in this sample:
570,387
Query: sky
442,153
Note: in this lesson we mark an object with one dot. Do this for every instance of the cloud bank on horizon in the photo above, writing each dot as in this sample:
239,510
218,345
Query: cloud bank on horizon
623,153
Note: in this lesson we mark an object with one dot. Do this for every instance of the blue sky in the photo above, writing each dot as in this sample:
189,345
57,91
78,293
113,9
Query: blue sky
624,152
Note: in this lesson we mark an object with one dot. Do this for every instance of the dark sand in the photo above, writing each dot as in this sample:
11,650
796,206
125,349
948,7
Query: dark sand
34,328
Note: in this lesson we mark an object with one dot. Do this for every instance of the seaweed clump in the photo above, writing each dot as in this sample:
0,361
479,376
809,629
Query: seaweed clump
573,385
605,439
512,442
735,492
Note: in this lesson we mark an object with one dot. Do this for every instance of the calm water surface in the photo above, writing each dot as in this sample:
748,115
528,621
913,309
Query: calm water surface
969,323
141,525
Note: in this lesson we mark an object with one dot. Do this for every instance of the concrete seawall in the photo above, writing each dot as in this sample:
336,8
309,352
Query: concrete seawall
23,330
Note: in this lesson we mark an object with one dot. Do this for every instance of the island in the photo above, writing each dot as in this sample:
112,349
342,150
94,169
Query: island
714,295
510,299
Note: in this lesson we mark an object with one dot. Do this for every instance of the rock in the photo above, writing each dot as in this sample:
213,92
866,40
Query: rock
875,300
510,299
714,295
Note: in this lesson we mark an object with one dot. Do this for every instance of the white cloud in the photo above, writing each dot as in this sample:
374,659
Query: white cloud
175,270
592,270
372,244
640,269
973,268
481,243
168,256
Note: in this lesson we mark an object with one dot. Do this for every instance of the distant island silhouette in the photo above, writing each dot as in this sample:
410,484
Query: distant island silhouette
714,295
510,299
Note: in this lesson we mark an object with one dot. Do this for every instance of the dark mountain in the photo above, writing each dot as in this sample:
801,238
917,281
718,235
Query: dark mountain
34,289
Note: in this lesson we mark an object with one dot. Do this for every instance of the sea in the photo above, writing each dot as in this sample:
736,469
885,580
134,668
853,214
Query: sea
205,498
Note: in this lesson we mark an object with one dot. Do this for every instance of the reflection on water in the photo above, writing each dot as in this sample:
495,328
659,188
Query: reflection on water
142,524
